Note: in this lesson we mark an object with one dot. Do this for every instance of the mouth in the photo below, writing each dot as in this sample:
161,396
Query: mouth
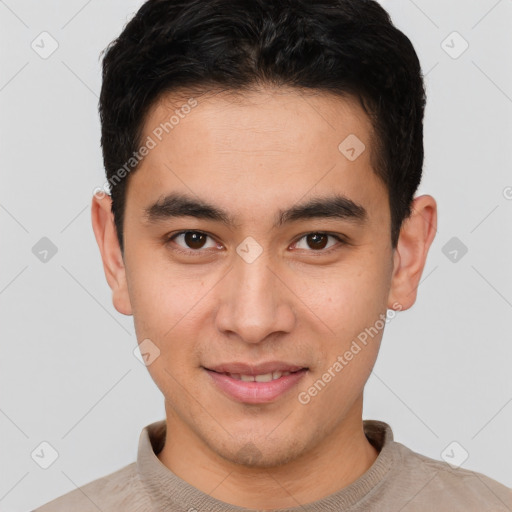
255,384
264,377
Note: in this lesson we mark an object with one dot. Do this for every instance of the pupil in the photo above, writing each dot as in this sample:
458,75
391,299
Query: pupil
317,242
193,239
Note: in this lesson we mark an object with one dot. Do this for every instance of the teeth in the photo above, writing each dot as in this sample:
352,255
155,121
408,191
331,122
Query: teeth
266,377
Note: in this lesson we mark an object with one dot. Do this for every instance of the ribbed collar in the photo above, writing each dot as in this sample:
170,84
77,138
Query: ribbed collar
168,490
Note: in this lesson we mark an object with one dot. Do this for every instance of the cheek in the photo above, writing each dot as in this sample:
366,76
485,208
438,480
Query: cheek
352,308
350,301
161,295
168,301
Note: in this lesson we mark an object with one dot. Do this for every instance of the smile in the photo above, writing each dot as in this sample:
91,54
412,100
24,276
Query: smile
253,387
265,377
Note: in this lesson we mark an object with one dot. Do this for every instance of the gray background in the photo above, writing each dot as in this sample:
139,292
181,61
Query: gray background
68,375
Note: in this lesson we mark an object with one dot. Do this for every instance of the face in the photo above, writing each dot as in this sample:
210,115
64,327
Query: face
253,284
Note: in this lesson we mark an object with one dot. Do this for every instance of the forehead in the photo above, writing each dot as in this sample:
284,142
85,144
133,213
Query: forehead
300,118
256,148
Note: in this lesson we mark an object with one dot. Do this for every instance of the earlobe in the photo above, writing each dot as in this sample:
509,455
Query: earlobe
108,243
416,236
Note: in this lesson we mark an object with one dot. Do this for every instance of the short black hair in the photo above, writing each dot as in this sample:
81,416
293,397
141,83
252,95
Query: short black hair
346,47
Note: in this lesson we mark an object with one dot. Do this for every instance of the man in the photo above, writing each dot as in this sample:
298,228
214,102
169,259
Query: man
262,159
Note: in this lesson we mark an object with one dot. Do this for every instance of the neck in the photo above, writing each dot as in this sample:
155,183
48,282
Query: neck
337,461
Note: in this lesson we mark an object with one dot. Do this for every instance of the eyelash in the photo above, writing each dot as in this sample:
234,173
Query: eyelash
341,241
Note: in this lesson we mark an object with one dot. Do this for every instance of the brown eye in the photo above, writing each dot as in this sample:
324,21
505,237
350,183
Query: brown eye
194,241
318,242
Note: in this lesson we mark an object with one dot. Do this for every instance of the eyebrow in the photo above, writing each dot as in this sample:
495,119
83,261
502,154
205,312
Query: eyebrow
335,206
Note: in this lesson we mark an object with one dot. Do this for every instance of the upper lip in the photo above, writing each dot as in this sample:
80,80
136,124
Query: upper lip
254,369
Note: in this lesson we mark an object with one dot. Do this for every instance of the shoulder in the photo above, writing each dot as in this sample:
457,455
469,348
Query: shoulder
426,481
120,490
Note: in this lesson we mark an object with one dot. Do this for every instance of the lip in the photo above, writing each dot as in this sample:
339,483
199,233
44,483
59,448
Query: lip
255,369
255,392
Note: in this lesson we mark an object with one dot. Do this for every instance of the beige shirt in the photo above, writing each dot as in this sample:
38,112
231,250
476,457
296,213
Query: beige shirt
398,480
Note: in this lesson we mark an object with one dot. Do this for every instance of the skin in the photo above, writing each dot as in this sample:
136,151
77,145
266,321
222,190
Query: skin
252,156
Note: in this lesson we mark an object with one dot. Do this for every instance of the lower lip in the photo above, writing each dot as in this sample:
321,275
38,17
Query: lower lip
255,392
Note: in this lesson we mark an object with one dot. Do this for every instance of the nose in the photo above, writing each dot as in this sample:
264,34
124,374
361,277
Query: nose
254,302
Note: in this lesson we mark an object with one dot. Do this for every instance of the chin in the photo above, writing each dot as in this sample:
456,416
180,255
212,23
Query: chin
263,454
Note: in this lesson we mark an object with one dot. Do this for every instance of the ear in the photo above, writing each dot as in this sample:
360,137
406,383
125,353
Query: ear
113,264
416,236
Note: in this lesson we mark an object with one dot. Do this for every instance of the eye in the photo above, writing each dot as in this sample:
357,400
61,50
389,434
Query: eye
192,241
196,242
318,242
